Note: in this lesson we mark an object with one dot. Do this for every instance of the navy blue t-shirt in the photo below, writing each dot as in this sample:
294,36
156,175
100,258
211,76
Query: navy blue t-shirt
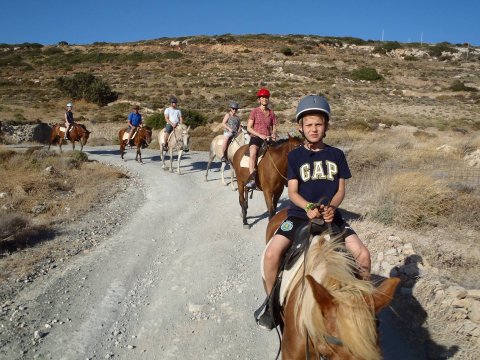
318,174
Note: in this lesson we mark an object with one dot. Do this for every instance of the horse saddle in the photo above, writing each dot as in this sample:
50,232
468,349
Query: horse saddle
63,128
292,262
125,134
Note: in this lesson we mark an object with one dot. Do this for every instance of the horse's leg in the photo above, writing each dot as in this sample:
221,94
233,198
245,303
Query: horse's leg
243,200
210,159
180,153
139,153
73,145
170,152
232,174
269,201
222,170
162,156
122,149
276,197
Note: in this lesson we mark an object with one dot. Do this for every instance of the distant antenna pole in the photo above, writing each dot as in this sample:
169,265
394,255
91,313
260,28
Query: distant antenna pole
383,32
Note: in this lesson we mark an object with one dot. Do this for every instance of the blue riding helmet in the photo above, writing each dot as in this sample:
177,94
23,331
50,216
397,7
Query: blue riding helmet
312,103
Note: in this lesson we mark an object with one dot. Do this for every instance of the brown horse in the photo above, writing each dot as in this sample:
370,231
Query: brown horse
271,176
141,139
327,310
78,132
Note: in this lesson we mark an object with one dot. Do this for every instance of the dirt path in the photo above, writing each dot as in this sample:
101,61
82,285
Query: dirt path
180,279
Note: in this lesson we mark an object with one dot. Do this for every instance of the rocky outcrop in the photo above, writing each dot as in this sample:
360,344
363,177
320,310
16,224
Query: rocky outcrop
444,318
16,134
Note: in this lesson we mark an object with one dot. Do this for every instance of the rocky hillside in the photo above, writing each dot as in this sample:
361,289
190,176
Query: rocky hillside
366,82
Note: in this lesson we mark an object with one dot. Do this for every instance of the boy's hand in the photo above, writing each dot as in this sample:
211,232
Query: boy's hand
327,212
314,213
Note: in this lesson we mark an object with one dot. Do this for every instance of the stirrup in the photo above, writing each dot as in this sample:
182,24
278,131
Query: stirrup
263,317
251,184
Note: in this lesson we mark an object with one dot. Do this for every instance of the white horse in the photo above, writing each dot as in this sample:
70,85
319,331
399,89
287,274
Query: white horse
240,139
177,140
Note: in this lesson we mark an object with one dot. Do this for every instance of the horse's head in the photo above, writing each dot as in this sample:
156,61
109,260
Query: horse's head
336,309
333,345
243,131
184,136
294,142
148,134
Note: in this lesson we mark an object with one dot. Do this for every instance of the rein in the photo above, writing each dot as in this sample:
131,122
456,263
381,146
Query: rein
273,162
329,339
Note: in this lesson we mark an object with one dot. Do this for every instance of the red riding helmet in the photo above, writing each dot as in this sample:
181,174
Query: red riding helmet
263,92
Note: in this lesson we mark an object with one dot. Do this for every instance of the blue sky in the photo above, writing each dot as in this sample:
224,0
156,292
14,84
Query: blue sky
87,21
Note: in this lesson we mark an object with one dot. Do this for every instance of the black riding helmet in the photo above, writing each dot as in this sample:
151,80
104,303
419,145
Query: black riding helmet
173,99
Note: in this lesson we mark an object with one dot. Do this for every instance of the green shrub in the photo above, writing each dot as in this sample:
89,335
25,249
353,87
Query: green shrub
79,156
52,51
87,86
366,73
156,121
437,49
387,47
286,51
458,85
63,43
194,118
172,55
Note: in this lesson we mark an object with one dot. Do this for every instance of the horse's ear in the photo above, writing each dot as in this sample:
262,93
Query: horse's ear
384,293
324,299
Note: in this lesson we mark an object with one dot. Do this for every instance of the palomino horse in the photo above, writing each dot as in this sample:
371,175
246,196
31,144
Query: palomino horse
240,139
271,175
327,310
177,140
142,138
78,132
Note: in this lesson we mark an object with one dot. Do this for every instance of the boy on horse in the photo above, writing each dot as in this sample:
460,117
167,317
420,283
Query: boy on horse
134,121
315,171
261,125
173,117
68,119
231,125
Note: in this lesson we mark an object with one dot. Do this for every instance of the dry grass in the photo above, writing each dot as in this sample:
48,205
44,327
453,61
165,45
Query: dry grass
41,188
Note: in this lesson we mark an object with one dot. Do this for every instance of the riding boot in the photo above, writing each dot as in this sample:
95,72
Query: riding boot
251,181
263,316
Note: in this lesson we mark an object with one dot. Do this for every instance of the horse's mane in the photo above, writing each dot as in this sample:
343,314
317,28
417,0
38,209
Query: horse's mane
329,263
283,141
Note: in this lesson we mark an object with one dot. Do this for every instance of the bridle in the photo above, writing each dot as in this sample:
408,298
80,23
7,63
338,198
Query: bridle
273,162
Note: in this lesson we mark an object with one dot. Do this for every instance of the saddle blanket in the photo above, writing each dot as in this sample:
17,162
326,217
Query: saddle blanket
288,275
245,161
125,135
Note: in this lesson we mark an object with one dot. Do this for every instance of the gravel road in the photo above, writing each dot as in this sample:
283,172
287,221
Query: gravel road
178,279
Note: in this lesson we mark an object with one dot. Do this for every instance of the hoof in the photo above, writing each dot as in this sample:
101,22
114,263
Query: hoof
246,226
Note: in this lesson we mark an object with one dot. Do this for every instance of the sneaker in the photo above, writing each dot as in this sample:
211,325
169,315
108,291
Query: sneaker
251,184
265,321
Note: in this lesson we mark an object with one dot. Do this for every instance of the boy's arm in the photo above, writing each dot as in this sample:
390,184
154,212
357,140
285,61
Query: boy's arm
329,211
298,200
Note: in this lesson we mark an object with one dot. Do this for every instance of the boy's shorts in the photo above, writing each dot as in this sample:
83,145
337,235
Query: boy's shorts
290,226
